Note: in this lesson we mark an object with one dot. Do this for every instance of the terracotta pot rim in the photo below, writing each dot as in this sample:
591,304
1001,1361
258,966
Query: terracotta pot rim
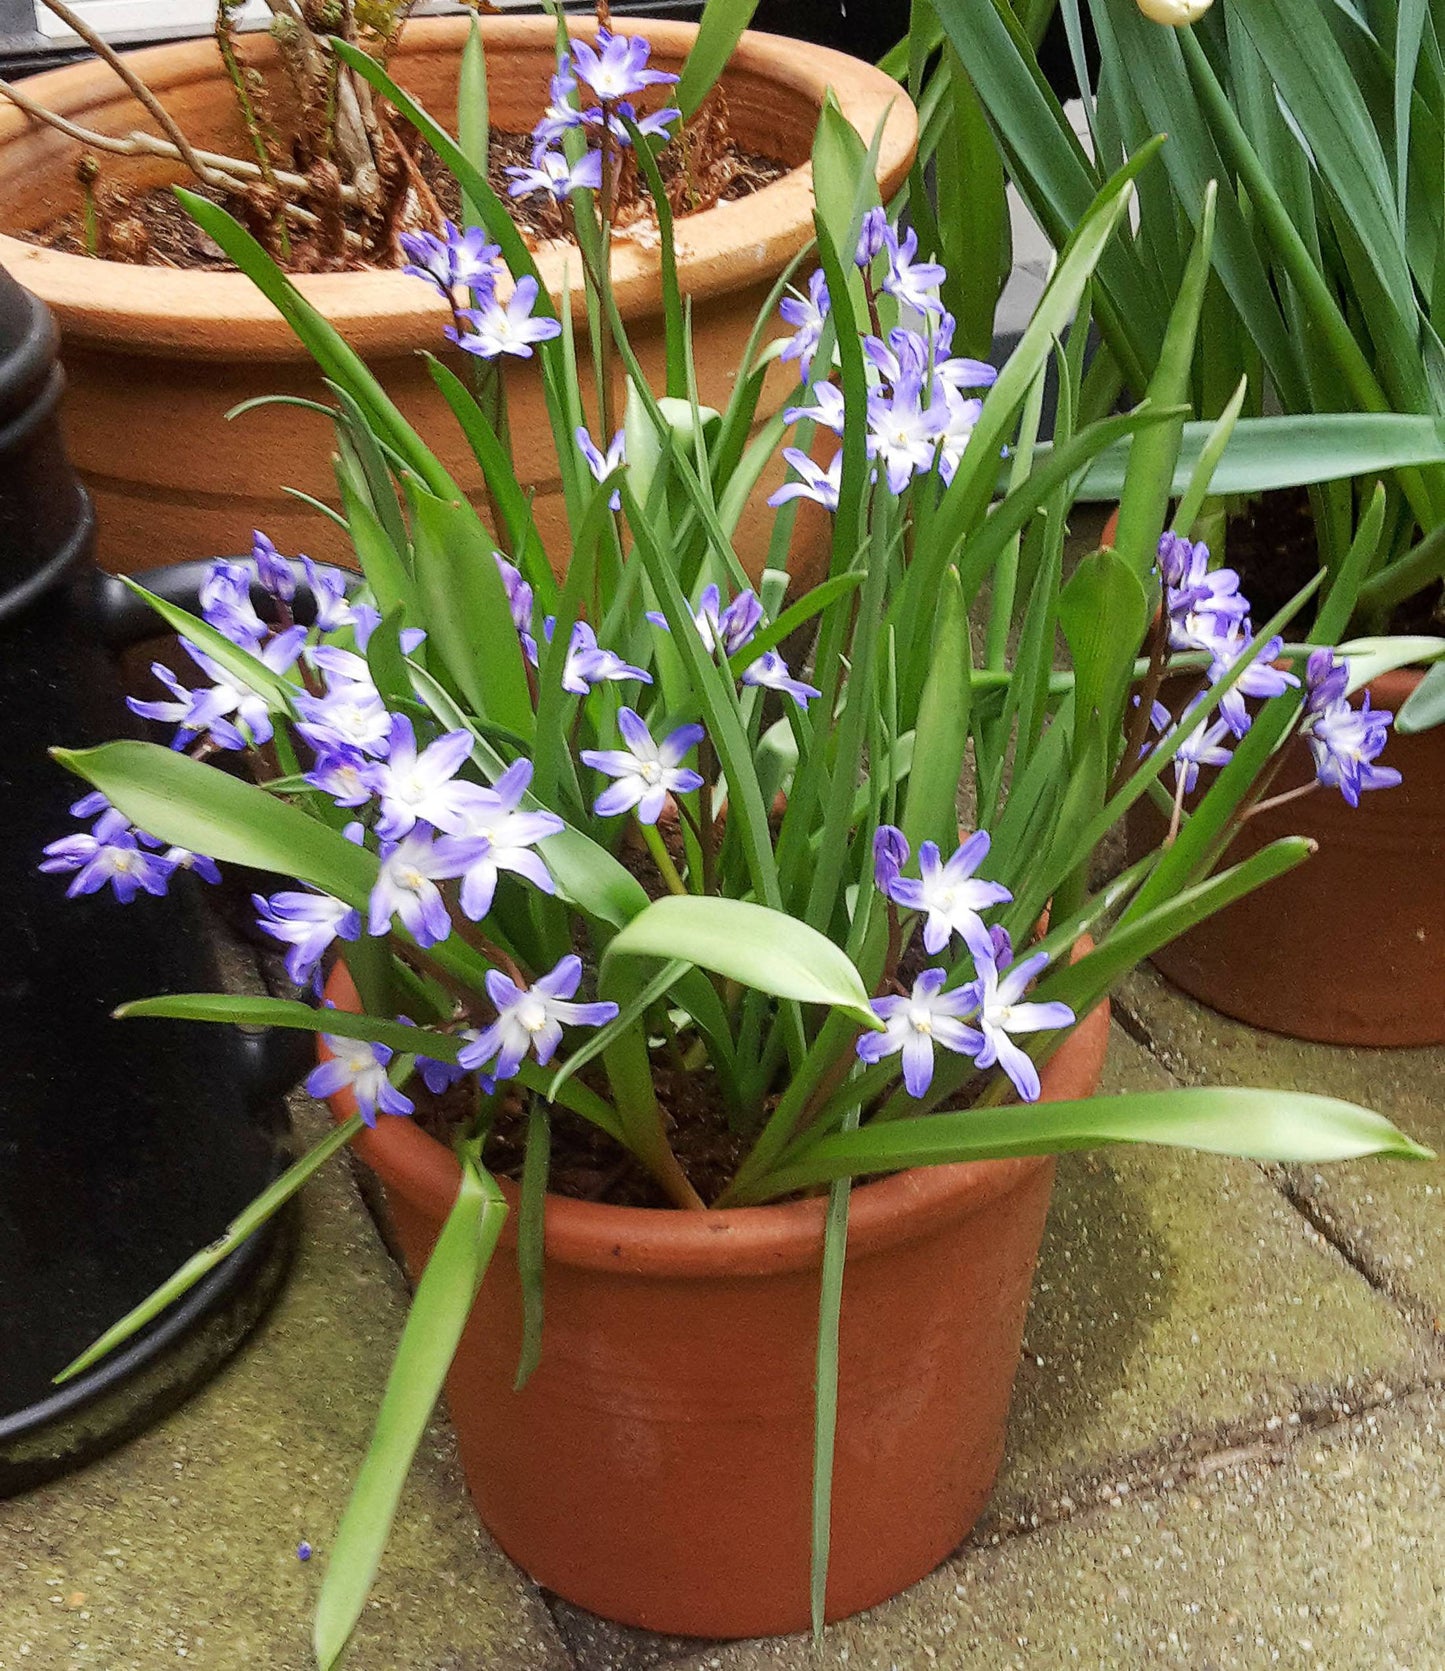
741,1240
1393,689
720,250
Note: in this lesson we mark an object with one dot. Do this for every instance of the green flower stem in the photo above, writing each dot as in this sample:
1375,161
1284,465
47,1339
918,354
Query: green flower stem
698,827
1139,719
662,858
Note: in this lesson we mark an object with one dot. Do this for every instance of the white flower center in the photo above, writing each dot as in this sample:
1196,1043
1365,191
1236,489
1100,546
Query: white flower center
410,877
124,860
532,1014
649,771
921,1020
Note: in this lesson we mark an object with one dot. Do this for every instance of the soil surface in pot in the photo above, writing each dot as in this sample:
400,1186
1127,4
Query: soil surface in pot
704,166
1271,545
588,1165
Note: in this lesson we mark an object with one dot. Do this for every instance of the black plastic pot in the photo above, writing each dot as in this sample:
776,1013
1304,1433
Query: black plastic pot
124,1146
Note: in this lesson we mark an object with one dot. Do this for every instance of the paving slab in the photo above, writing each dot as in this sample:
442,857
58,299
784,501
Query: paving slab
1327,1555
181,1547
1390,1216
1180,1300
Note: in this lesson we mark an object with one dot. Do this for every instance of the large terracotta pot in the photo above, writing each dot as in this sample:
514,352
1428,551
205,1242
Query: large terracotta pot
155,357
1348,948
656,1468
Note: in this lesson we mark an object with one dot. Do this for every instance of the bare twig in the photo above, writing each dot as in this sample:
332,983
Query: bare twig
102,47
352,139
241,171
296,37
249,113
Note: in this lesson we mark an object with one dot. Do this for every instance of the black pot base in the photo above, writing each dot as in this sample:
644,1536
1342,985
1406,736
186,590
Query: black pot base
124,1145
124,1394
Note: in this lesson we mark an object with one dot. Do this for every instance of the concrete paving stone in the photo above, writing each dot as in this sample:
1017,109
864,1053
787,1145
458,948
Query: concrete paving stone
180,1549
599,1645
1326,1556
1179,1297
1388,1214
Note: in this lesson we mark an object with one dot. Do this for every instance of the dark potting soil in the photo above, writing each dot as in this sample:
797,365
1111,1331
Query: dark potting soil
586,1164
1271,545
149,228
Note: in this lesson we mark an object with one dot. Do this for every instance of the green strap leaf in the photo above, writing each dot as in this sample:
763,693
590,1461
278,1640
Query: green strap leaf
1266,453
531,1237
753,944
825,1393
723,22
1258,1125
196,807
473,118
245,1224
439,1312
396,1035
493,213
336,357
1370,657
465,600
1103,612
245,668
290,1012
383,561
632,1006
1426,706
1143,504
930,810
506,491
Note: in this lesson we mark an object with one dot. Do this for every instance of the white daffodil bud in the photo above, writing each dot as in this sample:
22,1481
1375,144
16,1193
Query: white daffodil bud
1176,13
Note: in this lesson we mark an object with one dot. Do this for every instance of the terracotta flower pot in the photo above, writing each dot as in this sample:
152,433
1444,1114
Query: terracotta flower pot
156,356
656,1468
1349,948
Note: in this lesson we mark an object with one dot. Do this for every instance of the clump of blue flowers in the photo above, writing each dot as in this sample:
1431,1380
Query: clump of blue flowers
923,400
1204,610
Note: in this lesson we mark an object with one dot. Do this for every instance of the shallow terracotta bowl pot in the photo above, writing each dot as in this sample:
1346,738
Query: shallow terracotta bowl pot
156,356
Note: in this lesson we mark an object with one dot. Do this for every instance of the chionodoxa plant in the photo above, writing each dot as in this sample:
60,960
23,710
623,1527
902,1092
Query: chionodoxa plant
573,835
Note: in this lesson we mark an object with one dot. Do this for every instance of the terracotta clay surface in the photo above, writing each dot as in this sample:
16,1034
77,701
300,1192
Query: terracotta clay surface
656,1468
1349,947
155,357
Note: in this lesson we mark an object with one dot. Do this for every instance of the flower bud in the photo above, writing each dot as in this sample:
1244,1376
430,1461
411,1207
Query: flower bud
1176,13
